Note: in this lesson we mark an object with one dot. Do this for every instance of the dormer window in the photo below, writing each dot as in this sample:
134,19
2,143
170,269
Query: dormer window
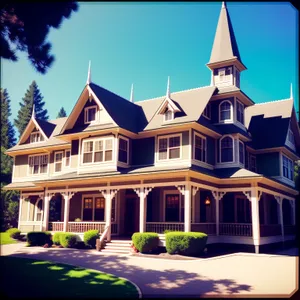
225,112
90,114
36,137
168,115
207,111
226,149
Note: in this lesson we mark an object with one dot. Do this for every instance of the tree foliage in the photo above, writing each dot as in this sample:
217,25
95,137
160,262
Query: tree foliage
25,27
32,96
62,113
7,130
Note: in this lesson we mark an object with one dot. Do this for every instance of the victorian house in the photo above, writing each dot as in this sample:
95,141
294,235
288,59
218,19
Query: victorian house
206,159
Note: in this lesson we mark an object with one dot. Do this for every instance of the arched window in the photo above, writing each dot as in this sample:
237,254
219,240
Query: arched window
225,111
39,210
227,149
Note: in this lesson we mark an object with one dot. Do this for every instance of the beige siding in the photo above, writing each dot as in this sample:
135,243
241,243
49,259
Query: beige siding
74,160
185,145
51,163
21,166
28,228
24,210
32,209
105,117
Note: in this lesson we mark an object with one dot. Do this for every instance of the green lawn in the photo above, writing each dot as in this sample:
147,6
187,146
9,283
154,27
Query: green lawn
5,239
28,278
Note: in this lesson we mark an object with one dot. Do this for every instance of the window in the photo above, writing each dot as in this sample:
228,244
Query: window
99,209
58,157
207,111
237,79
241,153
169,147
200,148
172,208
252,162
90,114
169,115
123,150
39,210
240,112
67,158
287,168
96,151
36,137
221,75
225,111
227,149
291,138
38,164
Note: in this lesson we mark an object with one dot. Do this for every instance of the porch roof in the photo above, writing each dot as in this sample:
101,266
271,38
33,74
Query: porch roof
18,185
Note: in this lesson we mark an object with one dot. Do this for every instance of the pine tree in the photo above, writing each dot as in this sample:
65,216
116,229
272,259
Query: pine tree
32,95
62,113
7,130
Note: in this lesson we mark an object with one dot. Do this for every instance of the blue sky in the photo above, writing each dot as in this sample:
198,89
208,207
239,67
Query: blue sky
143,43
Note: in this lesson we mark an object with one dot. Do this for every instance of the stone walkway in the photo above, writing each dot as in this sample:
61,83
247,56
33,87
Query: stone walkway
236,274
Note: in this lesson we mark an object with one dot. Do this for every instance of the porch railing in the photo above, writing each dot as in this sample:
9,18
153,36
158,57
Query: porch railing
236,229
270,230
85,226
160,227
56,226
208,228
289,229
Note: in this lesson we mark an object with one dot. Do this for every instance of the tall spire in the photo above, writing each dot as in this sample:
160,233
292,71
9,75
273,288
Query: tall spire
88,81
291,96
33,112
131,94
168,88
225,46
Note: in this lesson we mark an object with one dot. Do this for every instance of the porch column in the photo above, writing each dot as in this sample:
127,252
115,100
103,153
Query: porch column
187,208
280,214
254,198
143,193
47,199
20,209
108,195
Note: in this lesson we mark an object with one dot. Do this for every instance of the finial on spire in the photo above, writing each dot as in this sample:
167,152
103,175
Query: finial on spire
223,4
33,112
168,88
131,94
88,81
291,96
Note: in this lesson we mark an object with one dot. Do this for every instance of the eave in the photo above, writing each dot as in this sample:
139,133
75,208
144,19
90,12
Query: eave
225,63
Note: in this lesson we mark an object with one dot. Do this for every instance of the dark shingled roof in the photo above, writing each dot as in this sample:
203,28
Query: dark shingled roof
125,113
47,127
231,128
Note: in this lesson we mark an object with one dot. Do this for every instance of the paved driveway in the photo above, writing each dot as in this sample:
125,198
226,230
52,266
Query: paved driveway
237,274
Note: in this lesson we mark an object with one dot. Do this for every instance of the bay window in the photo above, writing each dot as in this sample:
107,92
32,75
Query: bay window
58,158
225,111
287,168
123,150
240,112
169,147
38,164
227,149
200,148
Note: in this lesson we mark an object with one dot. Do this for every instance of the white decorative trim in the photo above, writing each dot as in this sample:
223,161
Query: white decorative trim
231,113
55,162
86,113
195,189
181,189
220,150
157,160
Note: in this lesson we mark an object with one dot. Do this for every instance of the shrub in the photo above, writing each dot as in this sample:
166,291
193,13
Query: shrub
185,243
145,242
56,238
38,238
67,240
14,233
90,237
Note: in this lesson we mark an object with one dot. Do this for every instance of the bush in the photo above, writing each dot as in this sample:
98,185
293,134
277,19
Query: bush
145,242
56,238
38,238
185,243
67,240
14,233
90,237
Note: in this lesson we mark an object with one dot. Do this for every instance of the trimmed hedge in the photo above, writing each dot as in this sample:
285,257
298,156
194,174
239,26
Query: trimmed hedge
67,240
38,238
14,233
145,242
90,237
185,243
56,238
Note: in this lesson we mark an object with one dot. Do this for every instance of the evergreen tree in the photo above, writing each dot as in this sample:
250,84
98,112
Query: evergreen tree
62,113
7,130
32,95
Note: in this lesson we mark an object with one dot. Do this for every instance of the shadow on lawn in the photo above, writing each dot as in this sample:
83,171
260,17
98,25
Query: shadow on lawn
153,283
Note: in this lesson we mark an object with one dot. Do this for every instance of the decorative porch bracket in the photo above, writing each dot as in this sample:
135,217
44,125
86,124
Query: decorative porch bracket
248,194
217,196
181,189
279,200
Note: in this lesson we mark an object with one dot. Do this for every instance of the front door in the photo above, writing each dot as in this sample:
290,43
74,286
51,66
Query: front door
131,216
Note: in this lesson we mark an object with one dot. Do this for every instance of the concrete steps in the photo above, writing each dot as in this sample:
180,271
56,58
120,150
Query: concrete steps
117,247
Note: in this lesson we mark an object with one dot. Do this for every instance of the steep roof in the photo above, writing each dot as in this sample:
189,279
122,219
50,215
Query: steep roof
46,126
225,46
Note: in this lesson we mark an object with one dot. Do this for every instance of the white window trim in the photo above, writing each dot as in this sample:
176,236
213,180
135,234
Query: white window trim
239,141
220,150
86,114
194,147
36,209
237,101
168,137
231,113
172,118
125,139
38,174
55,162
207,109
166,192
94,140
281,168
36,133
65,158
